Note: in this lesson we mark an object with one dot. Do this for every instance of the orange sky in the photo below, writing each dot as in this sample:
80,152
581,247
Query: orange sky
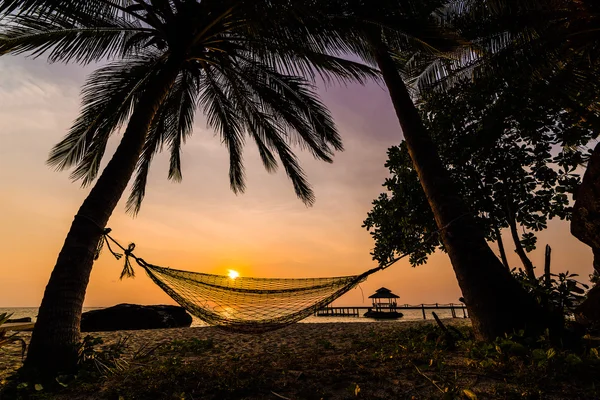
200,224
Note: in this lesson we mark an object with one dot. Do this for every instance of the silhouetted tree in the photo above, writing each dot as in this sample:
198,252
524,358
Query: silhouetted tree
498,145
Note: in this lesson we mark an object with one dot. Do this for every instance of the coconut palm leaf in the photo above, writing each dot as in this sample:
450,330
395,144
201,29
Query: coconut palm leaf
108,97
554,41
269,134
50,7
171,126
63,40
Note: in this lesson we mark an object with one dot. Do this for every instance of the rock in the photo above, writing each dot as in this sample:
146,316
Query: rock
18,320
135,317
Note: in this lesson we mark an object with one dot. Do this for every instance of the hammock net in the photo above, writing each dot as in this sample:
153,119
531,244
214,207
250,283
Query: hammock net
242,304
249,304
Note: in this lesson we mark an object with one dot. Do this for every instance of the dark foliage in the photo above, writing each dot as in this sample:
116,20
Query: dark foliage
513,154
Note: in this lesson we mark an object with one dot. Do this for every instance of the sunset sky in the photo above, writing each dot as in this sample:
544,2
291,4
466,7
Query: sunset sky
200,225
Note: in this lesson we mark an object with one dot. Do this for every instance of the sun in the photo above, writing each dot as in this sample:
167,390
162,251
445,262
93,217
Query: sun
233,274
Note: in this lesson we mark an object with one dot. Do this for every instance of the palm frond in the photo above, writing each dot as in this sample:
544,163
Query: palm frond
532,37
153,144
183,111
108,97
171,126
268,132
294,101
309,63
222,117
66,42
275,109
73,9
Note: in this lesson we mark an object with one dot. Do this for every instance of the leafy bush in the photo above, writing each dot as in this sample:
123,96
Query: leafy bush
561,294
532,354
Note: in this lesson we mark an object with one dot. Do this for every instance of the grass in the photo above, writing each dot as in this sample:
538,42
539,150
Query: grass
413,363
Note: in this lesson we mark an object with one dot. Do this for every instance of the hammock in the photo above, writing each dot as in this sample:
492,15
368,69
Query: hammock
246,305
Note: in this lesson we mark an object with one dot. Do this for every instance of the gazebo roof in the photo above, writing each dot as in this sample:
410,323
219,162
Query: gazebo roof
384,293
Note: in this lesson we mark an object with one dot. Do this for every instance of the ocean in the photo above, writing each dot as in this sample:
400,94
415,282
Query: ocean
409,315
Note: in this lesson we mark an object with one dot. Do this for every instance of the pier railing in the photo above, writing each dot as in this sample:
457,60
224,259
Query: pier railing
355,311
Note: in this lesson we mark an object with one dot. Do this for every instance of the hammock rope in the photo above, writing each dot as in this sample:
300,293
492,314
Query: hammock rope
242,304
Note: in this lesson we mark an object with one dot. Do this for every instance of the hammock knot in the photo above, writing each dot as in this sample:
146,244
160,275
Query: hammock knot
129,249
128,268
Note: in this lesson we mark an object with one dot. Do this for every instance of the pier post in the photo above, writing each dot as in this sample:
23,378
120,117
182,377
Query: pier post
423,309
464,312
452,310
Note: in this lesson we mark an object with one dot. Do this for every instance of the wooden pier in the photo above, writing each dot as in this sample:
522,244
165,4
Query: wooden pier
455,310
339,312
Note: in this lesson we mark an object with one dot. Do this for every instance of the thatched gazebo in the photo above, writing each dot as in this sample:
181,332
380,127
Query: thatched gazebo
384,299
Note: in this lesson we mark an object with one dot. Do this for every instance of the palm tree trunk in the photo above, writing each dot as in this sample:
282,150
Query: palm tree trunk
54,341
496,302
527,264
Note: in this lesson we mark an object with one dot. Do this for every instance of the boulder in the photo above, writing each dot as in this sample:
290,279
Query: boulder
135,317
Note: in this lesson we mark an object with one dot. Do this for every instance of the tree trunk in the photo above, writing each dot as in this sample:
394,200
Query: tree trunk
596,262
547,260
585,226
496,302
53,347
527,264
501,249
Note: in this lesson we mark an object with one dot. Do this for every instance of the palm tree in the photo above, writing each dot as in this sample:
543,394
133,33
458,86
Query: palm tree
497,303
171,57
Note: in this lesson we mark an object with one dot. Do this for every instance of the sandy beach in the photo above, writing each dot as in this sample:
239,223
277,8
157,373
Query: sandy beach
297,337
300,346
378,360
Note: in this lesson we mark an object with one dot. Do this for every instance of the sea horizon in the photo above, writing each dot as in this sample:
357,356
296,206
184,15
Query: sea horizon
408,315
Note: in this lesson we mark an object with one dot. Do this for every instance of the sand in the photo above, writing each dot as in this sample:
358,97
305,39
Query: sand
331,361
297,338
